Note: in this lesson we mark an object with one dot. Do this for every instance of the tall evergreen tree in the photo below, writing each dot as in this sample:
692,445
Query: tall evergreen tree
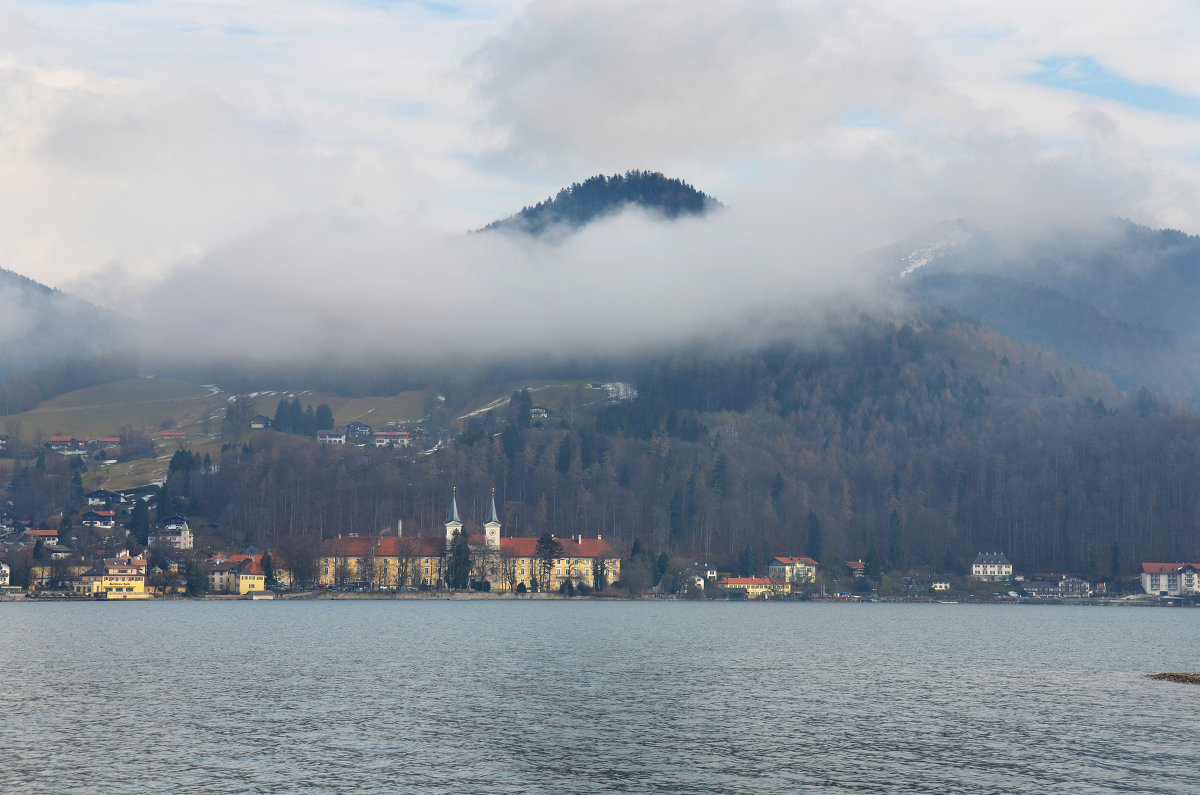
548,550
139,521
458,564
816,542
268,567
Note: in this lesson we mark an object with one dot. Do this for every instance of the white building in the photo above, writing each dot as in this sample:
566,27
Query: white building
4,572
331,437
1171,579
991,566
792,572
392,438
175,534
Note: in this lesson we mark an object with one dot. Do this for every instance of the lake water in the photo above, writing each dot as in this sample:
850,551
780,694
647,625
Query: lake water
583,696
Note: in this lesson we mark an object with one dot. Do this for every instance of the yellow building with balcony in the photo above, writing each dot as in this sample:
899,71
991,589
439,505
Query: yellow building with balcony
114,578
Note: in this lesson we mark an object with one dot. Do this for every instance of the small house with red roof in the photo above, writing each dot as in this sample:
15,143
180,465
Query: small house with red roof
390,437
47,536
241,574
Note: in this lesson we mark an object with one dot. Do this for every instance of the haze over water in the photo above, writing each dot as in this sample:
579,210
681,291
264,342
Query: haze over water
507,696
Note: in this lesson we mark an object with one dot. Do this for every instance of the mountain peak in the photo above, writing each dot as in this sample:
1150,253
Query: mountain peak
583,202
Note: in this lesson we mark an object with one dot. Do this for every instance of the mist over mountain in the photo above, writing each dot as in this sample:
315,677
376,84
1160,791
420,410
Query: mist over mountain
956,398
596,197
41,326
1114,295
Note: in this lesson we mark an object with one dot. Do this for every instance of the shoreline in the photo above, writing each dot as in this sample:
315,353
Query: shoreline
51,597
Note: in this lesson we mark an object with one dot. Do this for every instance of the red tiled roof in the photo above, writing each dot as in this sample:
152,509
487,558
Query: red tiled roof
249,566
42,533
388,546
745,581
793,561
1167,568
526,547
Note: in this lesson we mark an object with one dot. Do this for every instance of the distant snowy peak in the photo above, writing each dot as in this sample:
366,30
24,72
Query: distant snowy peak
937,244
953,241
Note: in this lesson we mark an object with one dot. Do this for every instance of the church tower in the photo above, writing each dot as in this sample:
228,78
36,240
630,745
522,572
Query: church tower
491,528
453,524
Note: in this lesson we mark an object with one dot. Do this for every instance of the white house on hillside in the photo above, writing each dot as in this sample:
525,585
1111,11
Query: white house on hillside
991,566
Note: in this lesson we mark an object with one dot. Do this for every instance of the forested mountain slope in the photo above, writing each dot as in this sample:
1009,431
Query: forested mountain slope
919,442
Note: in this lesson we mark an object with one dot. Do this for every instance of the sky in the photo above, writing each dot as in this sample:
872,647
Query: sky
324,158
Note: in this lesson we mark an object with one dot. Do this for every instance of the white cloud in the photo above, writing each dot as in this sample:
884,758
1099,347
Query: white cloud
149,150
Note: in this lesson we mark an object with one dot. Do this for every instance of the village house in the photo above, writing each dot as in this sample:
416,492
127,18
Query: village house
247,576
5,571
392,438
1058,586
792,572
104,497
114,578
243,573
358,430
63,444
106,520
174,436
504,564
331,437
747,587
175,534
1171,579
856,568
260,422
47,536
991,566
105,442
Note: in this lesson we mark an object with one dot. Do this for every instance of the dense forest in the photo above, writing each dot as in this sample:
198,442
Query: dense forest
915,443
598,196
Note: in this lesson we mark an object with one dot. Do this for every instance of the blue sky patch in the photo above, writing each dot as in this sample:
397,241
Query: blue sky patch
863,117
1083,75
441,8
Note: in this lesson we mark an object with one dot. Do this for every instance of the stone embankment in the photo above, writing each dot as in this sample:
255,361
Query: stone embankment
1189,679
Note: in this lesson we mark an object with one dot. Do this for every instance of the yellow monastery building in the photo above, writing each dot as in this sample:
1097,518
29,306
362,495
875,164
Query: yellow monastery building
505,563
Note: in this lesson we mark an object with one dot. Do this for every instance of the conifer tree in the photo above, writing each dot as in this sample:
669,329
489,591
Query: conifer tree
139,521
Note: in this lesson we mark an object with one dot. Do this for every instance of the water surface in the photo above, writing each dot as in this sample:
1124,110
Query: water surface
583,696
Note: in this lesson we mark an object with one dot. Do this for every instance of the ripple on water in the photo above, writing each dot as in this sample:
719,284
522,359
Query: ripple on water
593,697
